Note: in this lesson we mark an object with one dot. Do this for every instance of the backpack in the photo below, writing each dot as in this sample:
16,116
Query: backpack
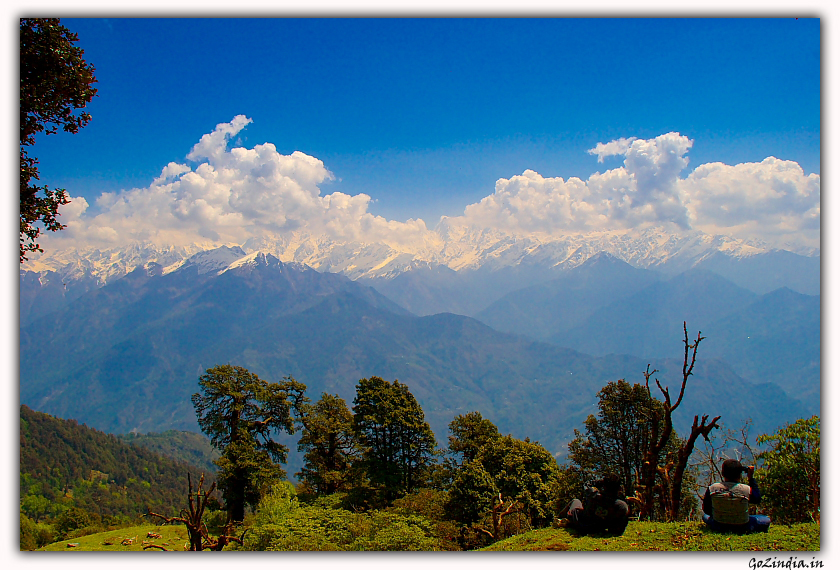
730,504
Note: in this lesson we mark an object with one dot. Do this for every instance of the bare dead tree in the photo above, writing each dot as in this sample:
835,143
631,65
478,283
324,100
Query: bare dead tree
497,514
734,444
193,516
671,475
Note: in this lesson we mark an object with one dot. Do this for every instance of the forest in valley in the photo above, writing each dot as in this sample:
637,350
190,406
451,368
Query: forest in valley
375,478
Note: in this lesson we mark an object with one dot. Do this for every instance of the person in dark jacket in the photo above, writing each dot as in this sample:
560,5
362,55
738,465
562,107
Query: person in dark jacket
726,504
602,510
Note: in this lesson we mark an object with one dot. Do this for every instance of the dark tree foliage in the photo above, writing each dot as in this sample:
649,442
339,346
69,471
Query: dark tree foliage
470,433
65,465
506,471
329,442
789,476
240,412
616,440
398,443
55,81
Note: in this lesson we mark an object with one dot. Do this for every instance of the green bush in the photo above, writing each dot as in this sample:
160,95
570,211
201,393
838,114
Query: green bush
789,474
283,523
73,519
27,533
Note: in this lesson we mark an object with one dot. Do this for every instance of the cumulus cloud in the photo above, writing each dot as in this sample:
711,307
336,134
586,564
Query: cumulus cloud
233,194
772,200
612,148
229,195
644,191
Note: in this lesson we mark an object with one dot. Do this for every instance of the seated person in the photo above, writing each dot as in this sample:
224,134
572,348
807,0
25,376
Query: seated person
603,510
726,505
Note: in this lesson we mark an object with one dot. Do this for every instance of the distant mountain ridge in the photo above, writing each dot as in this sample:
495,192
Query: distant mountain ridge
127,356
458,269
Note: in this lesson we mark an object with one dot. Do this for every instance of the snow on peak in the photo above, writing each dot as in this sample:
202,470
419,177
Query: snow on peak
457,247
254,260
214,259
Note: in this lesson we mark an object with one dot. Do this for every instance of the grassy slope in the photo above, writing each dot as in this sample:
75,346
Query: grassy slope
639,536
647,536
172,537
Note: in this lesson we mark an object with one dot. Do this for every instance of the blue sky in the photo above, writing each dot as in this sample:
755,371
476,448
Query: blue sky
425,116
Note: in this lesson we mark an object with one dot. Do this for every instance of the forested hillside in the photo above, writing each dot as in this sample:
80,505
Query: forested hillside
189,447
72,476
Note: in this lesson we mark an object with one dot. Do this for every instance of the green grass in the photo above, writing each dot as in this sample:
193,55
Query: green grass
639,536
173,537
648,536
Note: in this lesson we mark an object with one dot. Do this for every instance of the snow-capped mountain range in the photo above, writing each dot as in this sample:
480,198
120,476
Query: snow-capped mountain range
459,248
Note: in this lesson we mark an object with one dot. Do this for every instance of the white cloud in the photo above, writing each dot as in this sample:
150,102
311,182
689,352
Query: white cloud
171,170
773,198
72,211
232,195
643,191
612,148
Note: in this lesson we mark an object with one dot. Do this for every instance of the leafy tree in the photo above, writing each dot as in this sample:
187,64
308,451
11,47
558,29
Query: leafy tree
240,412
399,444
34,534
470,433
28,540
616,440
504,472
73,519
55,81
789,476
329,442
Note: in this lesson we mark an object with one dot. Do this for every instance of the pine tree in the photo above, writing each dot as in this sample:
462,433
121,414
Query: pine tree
399,444
239,412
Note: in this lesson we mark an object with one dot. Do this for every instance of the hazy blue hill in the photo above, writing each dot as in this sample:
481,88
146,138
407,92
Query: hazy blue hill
775,339
650,321
38,299
132,361
438,289
541,311
768,271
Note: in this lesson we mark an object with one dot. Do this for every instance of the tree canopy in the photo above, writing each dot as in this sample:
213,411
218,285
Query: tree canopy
240,412
55,81
616,440
399,444
790,471
329,442
470,432
517,470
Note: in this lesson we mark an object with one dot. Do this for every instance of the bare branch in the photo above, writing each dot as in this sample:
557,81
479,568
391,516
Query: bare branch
687,368
148,546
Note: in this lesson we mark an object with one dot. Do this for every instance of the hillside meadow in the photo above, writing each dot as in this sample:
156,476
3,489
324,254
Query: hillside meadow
639,536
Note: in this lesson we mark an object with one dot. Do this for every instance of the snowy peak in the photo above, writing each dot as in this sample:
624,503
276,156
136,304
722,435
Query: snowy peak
253,261
459,248
214,260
